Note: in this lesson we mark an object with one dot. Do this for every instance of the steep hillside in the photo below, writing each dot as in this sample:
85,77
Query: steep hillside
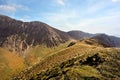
79,34
20,36
77,62
10,64
107,41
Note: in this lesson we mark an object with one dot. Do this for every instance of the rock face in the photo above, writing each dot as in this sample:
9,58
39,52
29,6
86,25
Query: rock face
19,36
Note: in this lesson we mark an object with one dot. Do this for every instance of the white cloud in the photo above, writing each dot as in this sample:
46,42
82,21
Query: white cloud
100,20
61,16
25,18
7,8
61,19
95,7
116,0
98,25
12,8
101,24
61,2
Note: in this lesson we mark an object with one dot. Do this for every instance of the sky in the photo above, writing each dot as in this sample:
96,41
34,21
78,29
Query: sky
93,16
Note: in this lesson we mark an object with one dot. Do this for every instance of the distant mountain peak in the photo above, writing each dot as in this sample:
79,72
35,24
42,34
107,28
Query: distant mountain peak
76,34
107,41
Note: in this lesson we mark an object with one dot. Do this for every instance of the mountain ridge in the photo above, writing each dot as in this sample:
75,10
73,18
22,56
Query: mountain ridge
19,36
14,33
71,58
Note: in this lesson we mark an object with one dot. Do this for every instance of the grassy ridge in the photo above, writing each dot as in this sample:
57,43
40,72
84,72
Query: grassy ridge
80,68
10,63
71,59
62,55
40,52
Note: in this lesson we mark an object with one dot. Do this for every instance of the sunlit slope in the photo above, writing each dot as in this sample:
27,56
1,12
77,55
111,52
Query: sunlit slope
10,64
101,65
38,53
80,61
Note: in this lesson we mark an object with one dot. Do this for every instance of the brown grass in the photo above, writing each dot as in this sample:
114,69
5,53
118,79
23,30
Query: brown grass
80,51
40,52
10,64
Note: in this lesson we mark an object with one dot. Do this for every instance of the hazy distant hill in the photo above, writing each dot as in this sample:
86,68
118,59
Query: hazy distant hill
104,39
107,41
79,34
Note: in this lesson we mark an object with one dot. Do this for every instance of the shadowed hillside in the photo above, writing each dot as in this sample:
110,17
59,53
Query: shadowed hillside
20,36
107,41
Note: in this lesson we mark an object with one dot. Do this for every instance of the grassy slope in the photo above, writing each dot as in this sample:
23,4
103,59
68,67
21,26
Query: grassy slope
80,51
40,52
9,64
75,69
